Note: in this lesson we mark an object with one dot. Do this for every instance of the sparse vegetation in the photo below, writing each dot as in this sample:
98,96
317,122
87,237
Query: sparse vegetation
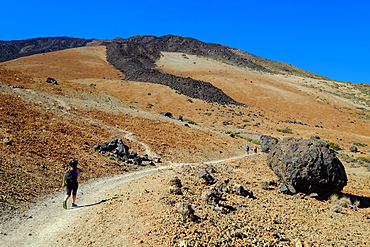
238,135
342,202
254,141
227,122
336,208
265,185
333,146
286,130
346,158
243,126
191,122
360,144
364,159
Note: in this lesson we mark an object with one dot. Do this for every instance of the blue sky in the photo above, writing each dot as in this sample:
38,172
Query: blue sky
330,38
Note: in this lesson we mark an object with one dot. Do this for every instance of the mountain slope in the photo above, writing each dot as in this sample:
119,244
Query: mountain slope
233,56
43,126
14,49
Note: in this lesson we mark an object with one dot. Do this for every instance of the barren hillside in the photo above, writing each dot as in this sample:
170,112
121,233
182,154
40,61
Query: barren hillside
43,126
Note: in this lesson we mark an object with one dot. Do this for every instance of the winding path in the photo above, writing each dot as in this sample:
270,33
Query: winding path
47,221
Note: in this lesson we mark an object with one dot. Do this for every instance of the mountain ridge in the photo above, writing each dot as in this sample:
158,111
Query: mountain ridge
18,48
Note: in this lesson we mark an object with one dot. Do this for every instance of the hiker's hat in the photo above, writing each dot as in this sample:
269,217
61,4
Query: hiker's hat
73,163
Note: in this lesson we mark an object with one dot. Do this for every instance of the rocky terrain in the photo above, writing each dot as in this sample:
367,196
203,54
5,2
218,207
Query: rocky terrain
20,48
237,100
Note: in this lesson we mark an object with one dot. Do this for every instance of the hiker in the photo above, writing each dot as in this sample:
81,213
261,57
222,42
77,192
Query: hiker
255,149
71,181
247,149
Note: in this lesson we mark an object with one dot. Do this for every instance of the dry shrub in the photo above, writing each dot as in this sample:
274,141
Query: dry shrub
264,185
342,202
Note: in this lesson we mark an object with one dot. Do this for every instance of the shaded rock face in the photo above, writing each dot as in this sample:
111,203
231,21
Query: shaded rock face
308,166
267,142
14,49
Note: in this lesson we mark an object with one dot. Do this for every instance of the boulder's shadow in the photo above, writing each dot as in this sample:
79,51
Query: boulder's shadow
364,201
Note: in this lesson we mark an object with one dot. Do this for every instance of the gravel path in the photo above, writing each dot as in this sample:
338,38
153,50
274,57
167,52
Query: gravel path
46,221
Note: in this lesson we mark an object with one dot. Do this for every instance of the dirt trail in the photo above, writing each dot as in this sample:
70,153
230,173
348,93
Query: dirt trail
46,222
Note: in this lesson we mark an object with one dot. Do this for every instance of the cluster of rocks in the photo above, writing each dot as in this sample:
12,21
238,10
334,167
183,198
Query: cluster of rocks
117,149
293,122
15,86
305,165
212,196
169,115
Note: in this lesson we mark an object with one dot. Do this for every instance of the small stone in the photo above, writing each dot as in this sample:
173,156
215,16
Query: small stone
298,243
186,211
306,244
7,141
202,181
314,195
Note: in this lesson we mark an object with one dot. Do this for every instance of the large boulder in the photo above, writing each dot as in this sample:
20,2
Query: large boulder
267,142
307,166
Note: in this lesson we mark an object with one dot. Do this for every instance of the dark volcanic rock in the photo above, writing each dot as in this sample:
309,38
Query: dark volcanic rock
170,43
116,147
19,48
52,81
204,174
167,114
137,61
353,149
267,142
308,166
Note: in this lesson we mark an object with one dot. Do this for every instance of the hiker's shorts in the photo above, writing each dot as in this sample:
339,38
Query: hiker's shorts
72,189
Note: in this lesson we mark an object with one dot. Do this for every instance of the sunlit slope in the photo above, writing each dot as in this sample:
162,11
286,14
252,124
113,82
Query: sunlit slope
271,98
312,101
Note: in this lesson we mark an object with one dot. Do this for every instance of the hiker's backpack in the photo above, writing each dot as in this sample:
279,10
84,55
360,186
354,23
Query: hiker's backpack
69,177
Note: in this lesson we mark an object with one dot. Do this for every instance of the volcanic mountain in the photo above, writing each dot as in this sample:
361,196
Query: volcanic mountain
219,99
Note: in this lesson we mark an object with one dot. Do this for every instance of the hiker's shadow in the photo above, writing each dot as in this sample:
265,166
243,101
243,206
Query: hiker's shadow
97,203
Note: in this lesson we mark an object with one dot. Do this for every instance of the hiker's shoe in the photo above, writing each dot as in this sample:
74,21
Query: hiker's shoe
74,205
65,205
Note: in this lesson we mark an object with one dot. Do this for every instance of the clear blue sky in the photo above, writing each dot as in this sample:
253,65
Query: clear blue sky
327,37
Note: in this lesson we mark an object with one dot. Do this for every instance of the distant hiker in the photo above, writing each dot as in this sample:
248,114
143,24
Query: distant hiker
255,149
247,149
71,183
